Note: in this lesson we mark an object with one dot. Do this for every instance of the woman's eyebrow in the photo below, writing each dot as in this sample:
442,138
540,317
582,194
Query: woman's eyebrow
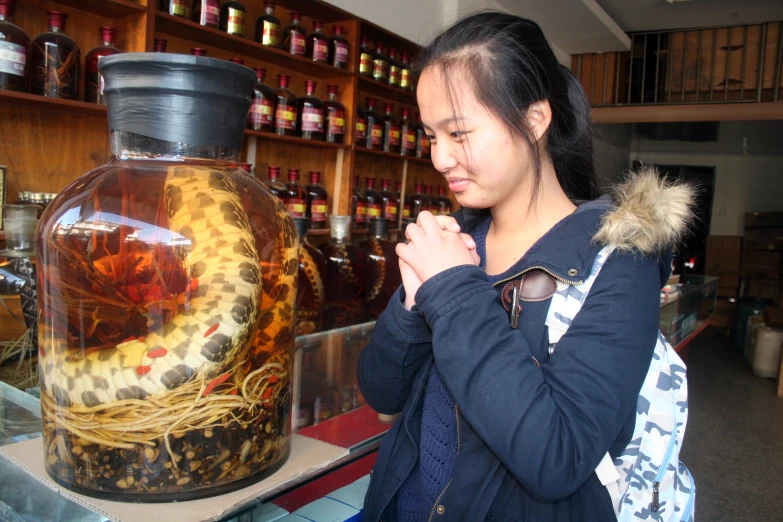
444,122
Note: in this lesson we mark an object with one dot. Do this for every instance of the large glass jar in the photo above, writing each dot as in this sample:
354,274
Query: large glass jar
345,281
168,281
310,294
55,61
383,268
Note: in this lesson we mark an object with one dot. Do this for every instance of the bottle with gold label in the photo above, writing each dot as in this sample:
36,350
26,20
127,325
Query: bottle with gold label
317,208
374,199
380,64
294,37
395,68
335,116
285,107
360,133
359,205
405,73
296,198
365,58
407,134
207,13
422,141
183,8
262,108
390,202
233,18
268,27
391,130
374,126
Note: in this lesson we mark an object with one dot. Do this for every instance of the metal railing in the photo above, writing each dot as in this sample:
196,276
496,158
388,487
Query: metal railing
713,65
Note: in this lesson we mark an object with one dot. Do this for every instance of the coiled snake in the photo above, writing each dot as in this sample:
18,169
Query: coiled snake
212,327
380,260
308,320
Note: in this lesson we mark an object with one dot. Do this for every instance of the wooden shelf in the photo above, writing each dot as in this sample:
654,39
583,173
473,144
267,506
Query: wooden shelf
376,88
55,104
390,155
106,8
207,36
318,232
355,231
741,111
297,141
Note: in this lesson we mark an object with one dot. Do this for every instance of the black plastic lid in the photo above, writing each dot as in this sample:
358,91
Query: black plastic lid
178,98
379,227
302,225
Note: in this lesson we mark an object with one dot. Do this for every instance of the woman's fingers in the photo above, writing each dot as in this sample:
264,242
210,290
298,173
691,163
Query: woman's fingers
468,241
448,223
414,232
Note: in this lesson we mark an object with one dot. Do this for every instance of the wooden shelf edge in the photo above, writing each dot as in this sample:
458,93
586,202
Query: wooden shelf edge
107,8
33,100
391,155
741,111
296,141
368,85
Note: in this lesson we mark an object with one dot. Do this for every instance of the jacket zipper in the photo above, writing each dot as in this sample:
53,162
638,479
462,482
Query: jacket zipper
435,505
662,471
525,271
686,514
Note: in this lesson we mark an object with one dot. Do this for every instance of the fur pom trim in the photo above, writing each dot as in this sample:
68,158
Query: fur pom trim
651,214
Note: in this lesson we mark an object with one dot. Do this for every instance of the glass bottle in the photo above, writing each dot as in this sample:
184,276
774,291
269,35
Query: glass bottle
268,27
275,186
310,114
390,202
198,51
93,87
395,69
207,13
391,130
160,45
345,279
318,43
444,203
374,126
182,8
285,107
434,204
335,116
14,51
118,296
55,61
294,37
310,290
296,195
374,200
406,207
422,141
359,205
417,202
338,48
262,107
317,206
233,18
405,73
407,134
383,273
360,137
365,58
380,64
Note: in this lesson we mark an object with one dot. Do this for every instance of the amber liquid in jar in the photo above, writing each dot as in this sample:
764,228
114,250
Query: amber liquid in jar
383,272
55,61
345,280
310,294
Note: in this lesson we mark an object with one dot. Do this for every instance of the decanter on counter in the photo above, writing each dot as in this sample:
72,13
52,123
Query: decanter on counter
310,292
345,279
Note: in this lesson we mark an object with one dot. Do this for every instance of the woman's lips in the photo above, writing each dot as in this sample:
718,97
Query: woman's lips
458,184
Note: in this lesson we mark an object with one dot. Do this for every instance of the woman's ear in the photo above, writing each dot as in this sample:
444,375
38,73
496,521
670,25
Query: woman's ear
539,117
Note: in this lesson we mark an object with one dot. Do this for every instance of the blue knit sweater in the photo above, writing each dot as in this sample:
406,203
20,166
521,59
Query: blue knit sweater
438,447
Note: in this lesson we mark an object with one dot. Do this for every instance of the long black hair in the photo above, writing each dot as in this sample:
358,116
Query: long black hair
511,66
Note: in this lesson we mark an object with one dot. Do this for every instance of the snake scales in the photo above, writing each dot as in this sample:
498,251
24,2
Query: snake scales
213,326
380,259
308,320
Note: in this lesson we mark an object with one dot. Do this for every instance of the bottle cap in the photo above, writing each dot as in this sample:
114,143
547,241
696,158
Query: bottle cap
356,180
237,61
418,188
379,47
282,81
310,86
388,107
340,226
160,45
295,17
429,190
247,167
338,29
198,51
441,190
385,184
369,183
269,5
273,172
404,57
318,24
293,175
332,89
370,102
7,8
315,177
365,40
108,34
392,52
405,112
56,19
260,74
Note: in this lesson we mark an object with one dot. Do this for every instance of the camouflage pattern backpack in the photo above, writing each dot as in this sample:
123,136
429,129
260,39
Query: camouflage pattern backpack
646,481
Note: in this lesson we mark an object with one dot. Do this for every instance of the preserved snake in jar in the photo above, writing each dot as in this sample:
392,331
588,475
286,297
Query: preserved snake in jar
345,281
168,281
310,295
383,268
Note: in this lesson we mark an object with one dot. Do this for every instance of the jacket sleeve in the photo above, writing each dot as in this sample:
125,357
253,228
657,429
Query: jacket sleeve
400,343
550,426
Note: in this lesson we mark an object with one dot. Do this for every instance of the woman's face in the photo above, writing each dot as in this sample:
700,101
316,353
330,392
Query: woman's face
482,161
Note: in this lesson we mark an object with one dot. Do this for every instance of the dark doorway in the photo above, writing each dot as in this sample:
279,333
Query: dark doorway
690,253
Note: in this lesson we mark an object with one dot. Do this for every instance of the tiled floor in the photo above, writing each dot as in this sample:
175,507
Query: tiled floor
734,439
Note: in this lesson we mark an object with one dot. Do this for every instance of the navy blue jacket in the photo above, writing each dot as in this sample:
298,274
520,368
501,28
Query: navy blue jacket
529,438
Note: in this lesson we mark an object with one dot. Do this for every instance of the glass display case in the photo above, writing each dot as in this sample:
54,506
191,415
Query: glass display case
688,308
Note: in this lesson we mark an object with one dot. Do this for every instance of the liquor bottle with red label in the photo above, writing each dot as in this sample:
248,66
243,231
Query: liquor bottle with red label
317,209
198,51
444,203
390,202
310,287
233,18
207,13
274,184
422,141
374,199
93,87
262,108
310,114
380,64
335,116
359,207
285,107
317,43
434,204
296,196
391,130
360,131
407,134
406,207
365,58
417,201
395,68
14,51
383,273
294,37
183,8
374,126
55,60
338,48
405,73
346,279
268,29
160,45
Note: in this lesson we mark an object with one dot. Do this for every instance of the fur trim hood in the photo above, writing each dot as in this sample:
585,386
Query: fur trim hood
651,213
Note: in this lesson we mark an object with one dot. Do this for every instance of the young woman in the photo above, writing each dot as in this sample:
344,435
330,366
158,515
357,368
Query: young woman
493,427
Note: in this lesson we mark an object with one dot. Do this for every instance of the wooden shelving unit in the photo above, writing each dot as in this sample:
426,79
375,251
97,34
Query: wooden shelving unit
107,8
